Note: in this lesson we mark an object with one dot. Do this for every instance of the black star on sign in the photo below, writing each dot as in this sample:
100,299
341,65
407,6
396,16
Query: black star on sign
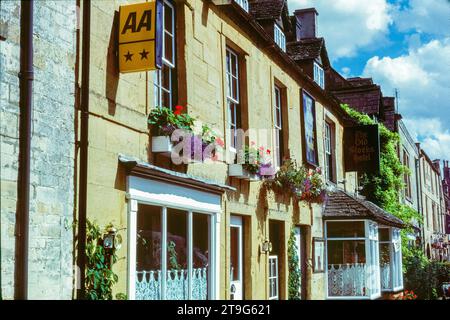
128,56
144,54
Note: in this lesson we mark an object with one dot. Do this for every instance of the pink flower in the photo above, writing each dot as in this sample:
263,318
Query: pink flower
252,143
220,142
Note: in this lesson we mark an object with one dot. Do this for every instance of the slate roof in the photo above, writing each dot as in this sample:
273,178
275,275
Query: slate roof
266,9
305,49
343,205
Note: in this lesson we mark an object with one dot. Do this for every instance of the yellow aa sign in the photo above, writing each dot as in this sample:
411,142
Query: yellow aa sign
139,41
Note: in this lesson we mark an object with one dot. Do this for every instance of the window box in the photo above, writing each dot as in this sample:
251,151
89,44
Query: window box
238,171
161,144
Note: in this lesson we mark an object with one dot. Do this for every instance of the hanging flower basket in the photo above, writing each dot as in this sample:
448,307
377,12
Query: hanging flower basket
304,184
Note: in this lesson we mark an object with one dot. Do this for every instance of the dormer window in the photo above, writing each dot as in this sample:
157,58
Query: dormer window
243,4
319,75
279,37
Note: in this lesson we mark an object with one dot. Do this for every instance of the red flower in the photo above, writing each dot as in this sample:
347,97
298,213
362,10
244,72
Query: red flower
178,110
268,151
220,142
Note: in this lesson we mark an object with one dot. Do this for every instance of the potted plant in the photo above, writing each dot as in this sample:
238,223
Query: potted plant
255,165
303,183
164,122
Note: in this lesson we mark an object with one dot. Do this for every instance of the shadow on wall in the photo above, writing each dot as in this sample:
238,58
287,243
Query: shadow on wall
112,68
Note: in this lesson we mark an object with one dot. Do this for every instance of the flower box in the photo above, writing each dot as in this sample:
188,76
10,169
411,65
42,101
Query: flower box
161,144
238,171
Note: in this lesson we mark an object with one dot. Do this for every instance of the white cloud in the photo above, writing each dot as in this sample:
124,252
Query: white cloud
424,16
423,79
349,25
434,138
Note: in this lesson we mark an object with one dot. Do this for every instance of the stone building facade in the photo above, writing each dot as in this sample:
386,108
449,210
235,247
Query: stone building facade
194,227
433,206
52,147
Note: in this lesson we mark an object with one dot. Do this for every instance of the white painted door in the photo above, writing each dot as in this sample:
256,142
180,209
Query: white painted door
236,254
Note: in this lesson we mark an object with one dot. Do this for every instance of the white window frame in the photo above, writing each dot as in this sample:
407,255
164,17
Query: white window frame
278,126
329,152
243,4
159,89
273,277
154,193
279,37
372,259
396,265
232,97
319,75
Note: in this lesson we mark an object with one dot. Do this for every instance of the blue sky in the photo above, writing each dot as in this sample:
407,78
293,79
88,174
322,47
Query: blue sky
401,44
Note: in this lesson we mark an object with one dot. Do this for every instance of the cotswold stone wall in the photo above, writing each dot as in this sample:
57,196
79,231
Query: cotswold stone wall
52,144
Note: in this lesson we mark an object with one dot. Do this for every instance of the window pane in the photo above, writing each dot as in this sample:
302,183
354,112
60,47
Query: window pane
383,234
168,18
177,282
200,256
148,253
168,47
345,229
346,251
235,88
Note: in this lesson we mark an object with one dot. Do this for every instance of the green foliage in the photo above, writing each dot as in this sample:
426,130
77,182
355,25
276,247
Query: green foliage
425,277
303,183
99,276
164,121
294,278
384,189
173,256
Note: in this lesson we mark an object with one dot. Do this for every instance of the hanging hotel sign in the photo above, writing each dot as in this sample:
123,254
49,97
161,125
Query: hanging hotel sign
362,149
140,36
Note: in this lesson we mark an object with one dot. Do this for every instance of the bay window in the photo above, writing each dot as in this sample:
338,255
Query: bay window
164,79
352,259
172,241
390,259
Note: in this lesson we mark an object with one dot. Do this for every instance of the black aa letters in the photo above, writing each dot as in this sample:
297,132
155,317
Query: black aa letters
146,21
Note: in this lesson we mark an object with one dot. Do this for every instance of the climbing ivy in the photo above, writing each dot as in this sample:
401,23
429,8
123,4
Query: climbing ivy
384,188
294,278
99,275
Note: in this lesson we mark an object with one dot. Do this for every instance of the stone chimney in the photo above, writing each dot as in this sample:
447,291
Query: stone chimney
306,23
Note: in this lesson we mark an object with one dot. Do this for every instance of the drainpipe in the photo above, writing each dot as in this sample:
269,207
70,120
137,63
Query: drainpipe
23,186
84,126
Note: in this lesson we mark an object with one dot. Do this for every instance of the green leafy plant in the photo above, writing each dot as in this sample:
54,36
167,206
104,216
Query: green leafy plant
384,189
165,121
424,276
173,256
305,184
99,275
294,278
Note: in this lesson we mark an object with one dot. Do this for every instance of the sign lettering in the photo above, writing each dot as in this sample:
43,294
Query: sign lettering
140,36
362,149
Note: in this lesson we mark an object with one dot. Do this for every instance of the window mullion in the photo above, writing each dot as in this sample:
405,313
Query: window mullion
190,253
164,253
